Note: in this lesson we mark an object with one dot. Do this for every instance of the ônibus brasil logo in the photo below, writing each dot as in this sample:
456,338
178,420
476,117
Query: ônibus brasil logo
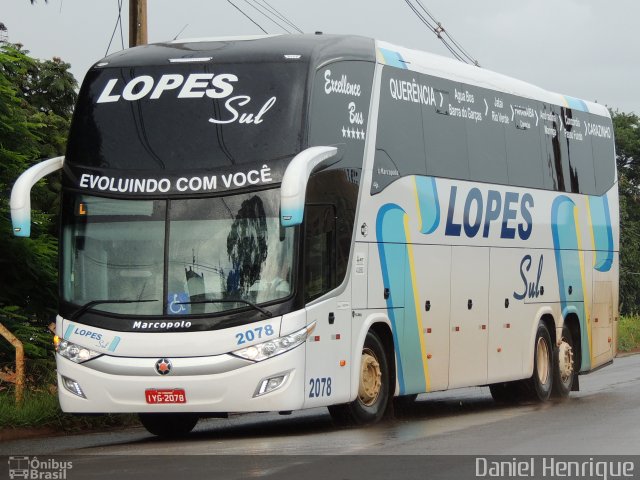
34,468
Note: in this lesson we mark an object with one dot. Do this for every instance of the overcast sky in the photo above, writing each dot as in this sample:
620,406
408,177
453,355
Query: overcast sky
584,48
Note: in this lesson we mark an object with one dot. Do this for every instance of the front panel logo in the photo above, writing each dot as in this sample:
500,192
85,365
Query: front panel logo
163,366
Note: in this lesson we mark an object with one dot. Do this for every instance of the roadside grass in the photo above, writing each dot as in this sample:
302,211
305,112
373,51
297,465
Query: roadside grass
41,409
629,333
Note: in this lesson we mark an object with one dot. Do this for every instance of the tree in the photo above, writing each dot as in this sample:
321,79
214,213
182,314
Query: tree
36,100
627,133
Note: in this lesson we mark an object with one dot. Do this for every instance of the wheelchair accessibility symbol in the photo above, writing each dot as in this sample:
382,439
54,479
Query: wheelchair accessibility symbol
176,304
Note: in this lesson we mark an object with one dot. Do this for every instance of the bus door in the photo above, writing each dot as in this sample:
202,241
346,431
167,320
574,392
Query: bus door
328,349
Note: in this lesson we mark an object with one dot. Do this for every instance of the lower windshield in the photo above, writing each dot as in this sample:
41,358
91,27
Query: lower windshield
225,249
176,257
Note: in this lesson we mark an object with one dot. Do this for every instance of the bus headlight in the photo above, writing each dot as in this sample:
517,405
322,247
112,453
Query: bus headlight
271,348
74,352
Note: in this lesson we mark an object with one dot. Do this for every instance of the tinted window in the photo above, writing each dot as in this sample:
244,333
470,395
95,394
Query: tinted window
320,261
600,132
445,133
581,174
523,144
555,165
338,188
399,140
485,137
188,116
471,133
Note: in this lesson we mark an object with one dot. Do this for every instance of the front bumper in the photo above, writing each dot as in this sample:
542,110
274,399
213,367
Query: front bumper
217,384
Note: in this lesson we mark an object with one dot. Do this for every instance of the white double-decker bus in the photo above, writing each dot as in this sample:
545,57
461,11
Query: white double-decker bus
286,222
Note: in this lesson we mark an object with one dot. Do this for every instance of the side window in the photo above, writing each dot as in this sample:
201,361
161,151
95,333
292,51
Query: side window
523,144
600,131
319,250
399,142
581,173
555,164
445,133
486,137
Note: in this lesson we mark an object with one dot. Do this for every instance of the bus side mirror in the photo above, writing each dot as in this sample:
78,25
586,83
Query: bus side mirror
295,179
21,194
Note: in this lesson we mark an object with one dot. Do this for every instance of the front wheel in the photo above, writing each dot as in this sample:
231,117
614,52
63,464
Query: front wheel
538,387
373,387
168,425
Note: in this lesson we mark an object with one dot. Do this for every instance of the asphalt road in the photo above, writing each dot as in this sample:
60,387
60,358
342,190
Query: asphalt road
602,419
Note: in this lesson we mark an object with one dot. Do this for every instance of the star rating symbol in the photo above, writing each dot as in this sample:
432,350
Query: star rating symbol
353,133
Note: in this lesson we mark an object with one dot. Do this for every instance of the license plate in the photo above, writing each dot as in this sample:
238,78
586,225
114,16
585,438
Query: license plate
174,395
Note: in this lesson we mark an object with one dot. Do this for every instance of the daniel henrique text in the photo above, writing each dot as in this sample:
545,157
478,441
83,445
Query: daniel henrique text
550,467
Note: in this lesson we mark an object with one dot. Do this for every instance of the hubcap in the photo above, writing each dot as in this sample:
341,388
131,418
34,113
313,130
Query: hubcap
565,361
370,378
542,360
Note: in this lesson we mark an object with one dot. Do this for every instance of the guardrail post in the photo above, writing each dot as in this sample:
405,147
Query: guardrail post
19,377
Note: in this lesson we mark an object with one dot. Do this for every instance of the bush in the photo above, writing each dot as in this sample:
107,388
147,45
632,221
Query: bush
629,333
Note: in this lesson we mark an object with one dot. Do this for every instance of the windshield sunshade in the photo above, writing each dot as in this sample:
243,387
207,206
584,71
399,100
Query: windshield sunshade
188,116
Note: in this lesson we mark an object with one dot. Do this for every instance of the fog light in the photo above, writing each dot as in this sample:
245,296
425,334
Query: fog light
270,384
72,386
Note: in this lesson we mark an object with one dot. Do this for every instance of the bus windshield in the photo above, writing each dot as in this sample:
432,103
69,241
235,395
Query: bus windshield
188,115
198,255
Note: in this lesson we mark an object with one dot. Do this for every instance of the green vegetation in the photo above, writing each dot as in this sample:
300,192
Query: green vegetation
629,333
41,409
627,132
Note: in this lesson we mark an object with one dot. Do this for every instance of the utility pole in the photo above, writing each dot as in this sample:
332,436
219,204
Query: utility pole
137,22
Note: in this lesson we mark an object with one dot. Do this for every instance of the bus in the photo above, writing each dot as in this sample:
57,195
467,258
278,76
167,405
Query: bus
275,223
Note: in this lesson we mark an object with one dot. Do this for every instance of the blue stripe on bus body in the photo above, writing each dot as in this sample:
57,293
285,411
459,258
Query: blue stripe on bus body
393,58
566,245
68,331
602,233
114,344
396,276
428,204
576,103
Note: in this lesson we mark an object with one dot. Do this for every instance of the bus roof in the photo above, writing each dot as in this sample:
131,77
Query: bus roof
319,49
323,48
438,66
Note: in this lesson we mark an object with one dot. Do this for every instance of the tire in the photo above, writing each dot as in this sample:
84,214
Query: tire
538,388
168,425
564,366
506,392
373,387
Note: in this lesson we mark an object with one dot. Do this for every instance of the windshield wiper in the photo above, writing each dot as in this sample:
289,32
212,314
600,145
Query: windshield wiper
93,303
264,311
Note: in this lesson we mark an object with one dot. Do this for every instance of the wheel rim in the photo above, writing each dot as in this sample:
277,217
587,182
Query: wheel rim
542,360
565,361
370,378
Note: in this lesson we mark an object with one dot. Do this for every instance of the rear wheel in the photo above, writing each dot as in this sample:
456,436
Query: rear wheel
168,425
564,366
373,387
539,386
